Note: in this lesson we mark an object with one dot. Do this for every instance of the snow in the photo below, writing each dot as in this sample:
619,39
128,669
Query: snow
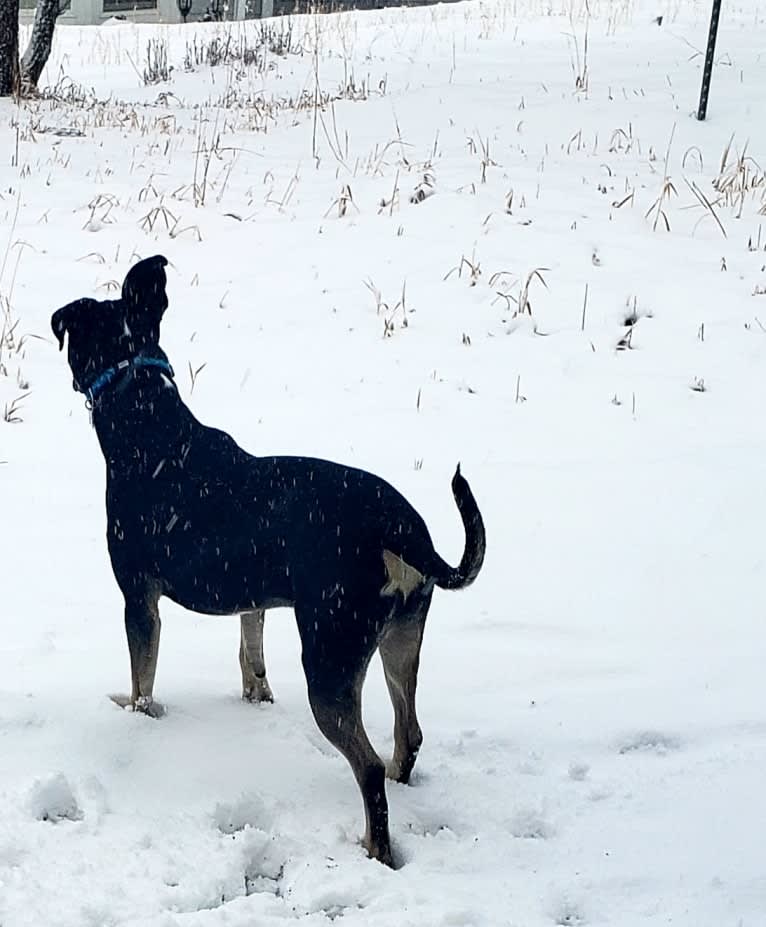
593,712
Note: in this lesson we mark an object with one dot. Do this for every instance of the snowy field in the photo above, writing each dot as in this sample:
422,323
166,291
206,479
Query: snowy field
490,232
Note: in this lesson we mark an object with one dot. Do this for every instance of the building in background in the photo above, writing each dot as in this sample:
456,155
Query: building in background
95,12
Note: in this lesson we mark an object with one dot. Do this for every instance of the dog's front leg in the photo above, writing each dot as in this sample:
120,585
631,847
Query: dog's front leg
142,624
255,686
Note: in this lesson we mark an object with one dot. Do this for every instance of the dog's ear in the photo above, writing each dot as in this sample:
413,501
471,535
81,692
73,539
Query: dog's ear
64,320
144,297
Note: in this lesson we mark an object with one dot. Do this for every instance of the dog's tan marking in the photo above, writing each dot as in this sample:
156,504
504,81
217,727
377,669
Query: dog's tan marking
401,576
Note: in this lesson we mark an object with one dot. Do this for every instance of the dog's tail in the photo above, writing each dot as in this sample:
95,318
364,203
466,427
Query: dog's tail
475,539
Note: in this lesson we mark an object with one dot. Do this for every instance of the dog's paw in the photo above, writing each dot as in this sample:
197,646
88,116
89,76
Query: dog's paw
395,773
379,852
259,692
401,770
148,706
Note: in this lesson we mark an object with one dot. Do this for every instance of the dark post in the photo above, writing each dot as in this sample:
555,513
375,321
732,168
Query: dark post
184,7
709,55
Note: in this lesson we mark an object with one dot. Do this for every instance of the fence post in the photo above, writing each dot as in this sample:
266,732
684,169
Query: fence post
709,55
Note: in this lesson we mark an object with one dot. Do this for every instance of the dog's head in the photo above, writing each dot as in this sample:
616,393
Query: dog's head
102,334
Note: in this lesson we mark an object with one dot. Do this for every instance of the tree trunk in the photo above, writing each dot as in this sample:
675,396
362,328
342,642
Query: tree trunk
9,47
40,43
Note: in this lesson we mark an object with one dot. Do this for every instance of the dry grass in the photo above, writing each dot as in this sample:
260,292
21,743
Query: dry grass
658,209
342,203
391,314
525,306
579,63
740,178
12,410
194,373
424,188
705,203
157,68
472,270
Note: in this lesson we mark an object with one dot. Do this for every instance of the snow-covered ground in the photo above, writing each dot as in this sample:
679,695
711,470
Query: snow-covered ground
593,708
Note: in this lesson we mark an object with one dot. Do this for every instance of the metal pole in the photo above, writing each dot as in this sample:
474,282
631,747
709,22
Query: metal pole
709,55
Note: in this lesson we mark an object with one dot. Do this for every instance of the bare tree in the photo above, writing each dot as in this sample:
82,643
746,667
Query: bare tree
9,47
40,42
22,77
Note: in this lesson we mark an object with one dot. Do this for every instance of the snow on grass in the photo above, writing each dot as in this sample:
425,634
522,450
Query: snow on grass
420,236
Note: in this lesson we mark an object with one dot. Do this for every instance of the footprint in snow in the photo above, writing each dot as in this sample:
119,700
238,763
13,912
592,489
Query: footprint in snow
425,825
568,913
578,772
650,742
245,811
262,854
264,859
531,824
53,800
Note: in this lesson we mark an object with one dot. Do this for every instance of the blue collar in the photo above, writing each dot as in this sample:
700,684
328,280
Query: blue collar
108,377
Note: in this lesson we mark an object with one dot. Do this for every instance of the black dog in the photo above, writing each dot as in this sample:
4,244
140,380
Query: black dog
193,517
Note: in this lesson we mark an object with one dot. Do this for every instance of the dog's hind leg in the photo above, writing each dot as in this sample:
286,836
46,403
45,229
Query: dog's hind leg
335,663
255,686
339,716
400,654
142,624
